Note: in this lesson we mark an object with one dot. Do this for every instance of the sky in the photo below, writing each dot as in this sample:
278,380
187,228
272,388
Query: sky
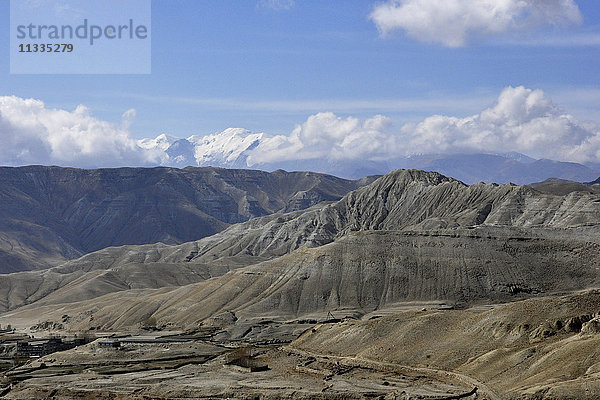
277,66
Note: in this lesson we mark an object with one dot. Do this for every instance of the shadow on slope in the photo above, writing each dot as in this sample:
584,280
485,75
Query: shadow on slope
50,214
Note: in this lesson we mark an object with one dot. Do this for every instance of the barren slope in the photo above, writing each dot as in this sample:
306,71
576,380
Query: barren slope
534,349
51,214
402,200
355,275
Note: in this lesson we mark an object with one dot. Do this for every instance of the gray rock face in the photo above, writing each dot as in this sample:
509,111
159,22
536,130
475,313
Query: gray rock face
50,214
591,327
365,271
403,199
505,236
358,273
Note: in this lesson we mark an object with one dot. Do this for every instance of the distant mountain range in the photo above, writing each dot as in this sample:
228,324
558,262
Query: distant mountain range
232,147
409,235
50,214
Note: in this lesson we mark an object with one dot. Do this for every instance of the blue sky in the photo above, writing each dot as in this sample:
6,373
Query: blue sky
224,63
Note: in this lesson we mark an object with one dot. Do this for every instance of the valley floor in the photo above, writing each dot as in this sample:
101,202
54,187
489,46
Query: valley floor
196,371
543,348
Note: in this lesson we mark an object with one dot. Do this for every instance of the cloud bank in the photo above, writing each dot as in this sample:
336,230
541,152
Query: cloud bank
31,133
454,23
326,135
521,120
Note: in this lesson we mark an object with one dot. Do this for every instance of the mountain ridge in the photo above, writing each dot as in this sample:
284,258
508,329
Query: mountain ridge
414,268
51,214
405,200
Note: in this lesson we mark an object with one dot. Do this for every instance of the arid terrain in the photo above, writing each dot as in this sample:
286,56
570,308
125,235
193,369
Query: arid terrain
414,285
50,214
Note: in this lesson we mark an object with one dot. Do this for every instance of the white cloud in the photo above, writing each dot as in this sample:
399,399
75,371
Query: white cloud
276,4
128,117
31,133
326,135
522,120
453,23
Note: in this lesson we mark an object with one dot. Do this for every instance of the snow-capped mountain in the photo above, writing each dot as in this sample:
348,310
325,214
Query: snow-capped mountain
225,149
231,148
162,142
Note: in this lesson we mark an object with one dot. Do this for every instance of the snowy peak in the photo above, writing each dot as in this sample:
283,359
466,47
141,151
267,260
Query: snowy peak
162,142
226,148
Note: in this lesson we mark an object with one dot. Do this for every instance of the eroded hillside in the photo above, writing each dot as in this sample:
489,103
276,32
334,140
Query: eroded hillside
424,236
49,214
415,275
